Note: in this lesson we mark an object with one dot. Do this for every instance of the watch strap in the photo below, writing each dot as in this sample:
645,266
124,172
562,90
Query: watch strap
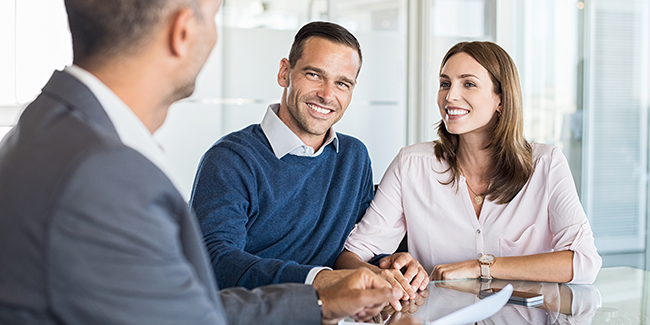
485,271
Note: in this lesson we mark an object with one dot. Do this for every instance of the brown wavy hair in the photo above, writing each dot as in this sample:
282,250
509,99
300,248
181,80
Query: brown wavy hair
510,154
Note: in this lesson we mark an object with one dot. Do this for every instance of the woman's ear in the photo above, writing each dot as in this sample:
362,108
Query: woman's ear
500,102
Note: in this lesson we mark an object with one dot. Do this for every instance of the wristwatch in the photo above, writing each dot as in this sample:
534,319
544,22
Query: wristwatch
485,260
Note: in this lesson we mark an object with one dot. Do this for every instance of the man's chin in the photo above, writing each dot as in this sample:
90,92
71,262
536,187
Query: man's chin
184,92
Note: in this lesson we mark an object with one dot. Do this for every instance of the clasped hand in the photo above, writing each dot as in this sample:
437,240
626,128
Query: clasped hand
403,271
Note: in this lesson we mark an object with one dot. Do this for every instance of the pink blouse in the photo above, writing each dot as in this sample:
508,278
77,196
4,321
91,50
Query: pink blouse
545,216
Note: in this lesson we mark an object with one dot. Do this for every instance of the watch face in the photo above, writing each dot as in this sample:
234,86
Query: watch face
486,259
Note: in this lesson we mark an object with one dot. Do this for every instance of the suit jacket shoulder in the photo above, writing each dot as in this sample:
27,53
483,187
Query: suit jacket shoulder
95,228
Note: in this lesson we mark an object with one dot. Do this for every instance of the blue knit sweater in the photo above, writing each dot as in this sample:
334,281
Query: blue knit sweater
267,220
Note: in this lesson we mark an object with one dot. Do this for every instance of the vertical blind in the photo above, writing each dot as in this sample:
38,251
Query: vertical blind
617,125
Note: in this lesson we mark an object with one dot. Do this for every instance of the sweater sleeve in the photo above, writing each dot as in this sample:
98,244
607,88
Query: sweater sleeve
225,199
568,222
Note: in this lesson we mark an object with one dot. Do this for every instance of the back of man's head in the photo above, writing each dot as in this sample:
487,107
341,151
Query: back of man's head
102,29
326,30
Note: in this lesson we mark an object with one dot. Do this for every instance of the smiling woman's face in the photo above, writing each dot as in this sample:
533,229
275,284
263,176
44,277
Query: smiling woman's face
466,97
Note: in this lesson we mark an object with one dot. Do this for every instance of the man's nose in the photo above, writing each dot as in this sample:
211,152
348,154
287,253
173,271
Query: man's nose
326,92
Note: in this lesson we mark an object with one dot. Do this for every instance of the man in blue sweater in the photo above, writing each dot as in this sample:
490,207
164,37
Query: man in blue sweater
277,200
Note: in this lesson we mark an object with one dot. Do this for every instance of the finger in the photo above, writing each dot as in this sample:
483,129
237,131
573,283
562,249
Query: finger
396,304
385,262
393,277
405,284
374,297
372,280
372,301
420,281
412,269
401,260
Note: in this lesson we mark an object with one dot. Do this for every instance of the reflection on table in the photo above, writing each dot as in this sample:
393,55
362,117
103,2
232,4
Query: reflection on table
619,296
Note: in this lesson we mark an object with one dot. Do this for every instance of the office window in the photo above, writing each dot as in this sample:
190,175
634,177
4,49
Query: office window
615,165
450,22
240,80
35,41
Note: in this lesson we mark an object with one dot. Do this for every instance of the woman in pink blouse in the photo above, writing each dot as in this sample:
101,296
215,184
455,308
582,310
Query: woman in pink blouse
480,201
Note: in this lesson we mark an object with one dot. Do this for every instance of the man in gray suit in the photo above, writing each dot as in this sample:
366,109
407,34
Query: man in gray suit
92,230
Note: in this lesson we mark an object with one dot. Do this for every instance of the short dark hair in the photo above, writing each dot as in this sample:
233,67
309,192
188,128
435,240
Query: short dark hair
326,30
102,28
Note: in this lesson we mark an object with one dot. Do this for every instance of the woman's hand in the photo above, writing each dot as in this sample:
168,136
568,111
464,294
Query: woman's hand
458,270
544,267
413,278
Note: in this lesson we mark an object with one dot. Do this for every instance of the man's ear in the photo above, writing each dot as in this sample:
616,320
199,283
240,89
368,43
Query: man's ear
283,73
182,32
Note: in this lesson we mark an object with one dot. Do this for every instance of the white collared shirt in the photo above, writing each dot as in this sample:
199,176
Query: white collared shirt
283,141
132,132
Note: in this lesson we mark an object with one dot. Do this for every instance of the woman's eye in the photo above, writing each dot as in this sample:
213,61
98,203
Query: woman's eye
444,85
470,84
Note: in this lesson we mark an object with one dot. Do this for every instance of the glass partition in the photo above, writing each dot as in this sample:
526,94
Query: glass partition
240,80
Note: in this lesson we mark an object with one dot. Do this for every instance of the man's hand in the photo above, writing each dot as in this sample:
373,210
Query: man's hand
459,270
360,295
414,278
326,278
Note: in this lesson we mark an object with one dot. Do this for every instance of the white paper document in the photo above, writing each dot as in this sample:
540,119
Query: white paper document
477,311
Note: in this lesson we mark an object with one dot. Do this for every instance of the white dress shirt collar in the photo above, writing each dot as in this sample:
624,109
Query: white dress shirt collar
132,132
283,141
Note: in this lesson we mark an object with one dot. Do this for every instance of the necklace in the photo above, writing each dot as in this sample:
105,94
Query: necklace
478,200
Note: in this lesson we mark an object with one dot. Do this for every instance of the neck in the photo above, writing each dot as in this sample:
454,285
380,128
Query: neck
140,86
474,160
314,141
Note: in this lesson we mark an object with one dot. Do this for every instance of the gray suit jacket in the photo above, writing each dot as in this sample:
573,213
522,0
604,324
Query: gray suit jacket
91,232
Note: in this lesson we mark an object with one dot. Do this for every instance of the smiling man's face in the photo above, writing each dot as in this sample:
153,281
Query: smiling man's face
318,88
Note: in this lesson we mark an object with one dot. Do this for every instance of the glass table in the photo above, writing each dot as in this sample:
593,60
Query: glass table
620,295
